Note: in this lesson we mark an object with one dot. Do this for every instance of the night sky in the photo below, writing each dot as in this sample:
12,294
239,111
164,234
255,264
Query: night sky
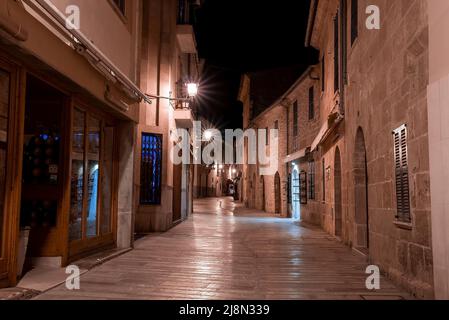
240,36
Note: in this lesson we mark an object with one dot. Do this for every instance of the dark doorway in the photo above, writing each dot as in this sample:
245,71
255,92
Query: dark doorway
277,193
361,193
177,191
42,185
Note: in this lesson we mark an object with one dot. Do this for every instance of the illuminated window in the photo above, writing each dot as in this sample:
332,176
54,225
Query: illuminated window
151,169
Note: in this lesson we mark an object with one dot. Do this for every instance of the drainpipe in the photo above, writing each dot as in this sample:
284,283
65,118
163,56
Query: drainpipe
7,24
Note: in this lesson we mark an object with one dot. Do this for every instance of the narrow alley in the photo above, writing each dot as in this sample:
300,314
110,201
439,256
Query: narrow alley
226,252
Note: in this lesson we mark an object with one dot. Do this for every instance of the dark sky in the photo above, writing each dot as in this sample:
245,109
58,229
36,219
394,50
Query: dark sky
239,36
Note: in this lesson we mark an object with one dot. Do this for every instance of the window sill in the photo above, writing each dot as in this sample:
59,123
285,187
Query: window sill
403,225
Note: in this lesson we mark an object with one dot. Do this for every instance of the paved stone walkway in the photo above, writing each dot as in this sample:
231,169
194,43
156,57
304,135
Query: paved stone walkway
223,252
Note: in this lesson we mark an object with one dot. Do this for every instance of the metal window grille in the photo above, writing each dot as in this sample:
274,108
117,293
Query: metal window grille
151,169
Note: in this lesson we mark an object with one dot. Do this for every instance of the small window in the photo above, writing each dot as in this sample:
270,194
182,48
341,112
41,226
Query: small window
312,180
354,20
151,169
295,119
311,103
267,136
276,128
402,178
121,6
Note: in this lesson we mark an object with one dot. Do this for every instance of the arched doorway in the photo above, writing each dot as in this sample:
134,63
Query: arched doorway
337,195
361,192
295,189
262,189
277,193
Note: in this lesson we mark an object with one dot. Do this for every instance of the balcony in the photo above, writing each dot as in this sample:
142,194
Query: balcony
186,38
184,118
185,20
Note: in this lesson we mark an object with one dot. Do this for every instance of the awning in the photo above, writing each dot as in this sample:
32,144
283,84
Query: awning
320,136
326,129
297,155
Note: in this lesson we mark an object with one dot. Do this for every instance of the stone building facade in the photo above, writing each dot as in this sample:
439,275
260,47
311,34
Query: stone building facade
169,61
69,114
358,143
375,83
438,106
267,193
86,116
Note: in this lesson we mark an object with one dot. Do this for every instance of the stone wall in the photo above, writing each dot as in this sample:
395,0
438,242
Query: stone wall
260,191
438,103
386,88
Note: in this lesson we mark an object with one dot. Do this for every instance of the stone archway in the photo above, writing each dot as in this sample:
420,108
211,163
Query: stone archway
338,195
277,193
360,172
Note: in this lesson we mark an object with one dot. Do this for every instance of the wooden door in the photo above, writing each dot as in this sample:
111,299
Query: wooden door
177,189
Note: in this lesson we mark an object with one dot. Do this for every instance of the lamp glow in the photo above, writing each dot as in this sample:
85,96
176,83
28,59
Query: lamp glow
208,135
192,89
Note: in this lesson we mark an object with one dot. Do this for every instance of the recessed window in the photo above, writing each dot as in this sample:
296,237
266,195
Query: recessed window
151,169
303,188
295,119
312,180
311,103
267,136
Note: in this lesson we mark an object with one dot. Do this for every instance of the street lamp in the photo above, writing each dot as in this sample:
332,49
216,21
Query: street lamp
192,89
192,92
208,135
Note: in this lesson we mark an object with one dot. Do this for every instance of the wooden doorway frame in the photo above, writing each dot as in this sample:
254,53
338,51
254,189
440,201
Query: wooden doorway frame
11,221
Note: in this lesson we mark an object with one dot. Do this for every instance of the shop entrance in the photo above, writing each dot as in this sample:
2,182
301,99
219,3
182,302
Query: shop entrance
296,195
41,198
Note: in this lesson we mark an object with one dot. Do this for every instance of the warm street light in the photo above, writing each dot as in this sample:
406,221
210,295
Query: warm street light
208,135
192,89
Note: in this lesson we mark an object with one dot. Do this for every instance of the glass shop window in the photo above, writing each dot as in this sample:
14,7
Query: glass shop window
92,177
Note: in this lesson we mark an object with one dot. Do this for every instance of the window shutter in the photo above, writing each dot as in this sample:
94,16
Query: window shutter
402,178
